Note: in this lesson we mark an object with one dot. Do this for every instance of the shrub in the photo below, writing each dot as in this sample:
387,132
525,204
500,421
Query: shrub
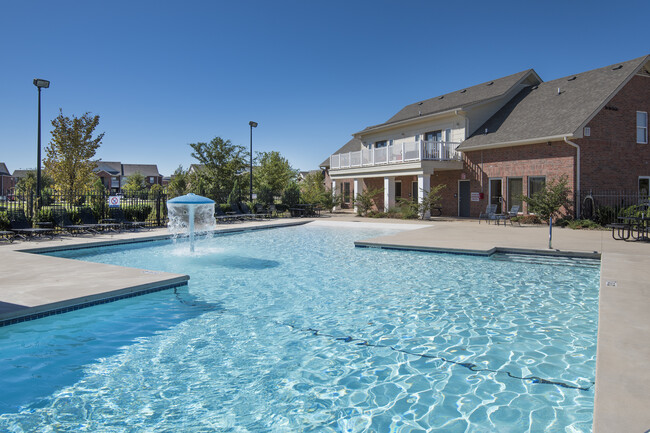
44,215
583,224
366,199
265,195
4,220
527,219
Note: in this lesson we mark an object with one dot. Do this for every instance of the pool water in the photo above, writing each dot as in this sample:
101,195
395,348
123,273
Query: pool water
295,329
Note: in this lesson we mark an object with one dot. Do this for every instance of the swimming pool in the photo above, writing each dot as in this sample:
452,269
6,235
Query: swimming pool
294,329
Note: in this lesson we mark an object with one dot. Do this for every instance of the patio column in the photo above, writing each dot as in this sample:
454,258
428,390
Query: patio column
356,192
389,193
333,192
424,186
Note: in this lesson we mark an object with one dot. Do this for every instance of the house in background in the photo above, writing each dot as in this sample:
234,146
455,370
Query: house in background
114,174
492,142
6,180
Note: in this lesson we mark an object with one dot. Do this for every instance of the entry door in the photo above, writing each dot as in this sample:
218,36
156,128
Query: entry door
495,194
414,191
463,198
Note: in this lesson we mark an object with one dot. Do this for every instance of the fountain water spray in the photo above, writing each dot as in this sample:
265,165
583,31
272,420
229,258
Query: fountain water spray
190,213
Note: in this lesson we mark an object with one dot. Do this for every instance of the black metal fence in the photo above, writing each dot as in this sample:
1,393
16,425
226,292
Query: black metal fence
147,206
604,207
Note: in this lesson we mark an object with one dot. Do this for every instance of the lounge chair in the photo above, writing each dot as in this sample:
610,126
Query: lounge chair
247,211
514,210
489,214
118,215
63,221
88,219
7,235
237,212
220,216
22,227
259,210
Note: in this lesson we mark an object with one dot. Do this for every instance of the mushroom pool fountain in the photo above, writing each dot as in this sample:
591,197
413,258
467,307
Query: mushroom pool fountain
190,214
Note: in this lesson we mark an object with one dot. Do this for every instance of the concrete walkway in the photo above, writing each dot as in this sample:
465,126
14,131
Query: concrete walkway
622,379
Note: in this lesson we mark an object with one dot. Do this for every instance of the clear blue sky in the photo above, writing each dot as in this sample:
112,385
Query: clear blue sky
162,74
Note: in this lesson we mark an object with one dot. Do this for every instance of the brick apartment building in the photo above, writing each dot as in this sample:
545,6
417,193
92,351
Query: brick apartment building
492,142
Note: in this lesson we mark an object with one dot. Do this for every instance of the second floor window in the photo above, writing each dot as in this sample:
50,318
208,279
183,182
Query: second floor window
379,144
642,127
433,136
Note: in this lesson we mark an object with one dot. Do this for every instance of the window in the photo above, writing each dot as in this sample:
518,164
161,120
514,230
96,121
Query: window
535,184
587,131
379,144
346,192
433,136
417,137
644,187
448,135
515,190
398,189
642,127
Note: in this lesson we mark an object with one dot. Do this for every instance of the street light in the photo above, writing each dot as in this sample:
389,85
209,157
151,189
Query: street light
252,125
40,84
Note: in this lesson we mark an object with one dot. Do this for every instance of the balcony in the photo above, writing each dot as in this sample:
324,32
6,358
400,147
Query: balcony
397,154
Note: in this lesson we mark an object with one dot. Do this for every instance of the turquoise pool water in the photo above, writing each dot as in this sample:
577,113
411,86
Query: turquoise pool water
294,329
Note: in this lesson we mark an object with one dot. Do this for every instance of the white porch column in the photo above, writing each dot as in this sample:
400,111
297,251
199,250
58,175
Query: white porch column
333,192
424,186
389,193
356,192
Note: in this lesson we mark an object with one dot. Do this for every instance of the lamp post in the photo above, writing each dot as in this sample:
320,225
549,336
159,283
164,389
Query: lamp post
40,84
252,125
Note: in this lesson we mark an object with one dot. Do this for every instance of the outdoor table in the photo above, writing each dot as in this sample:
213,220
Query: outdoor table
44,224
297,212
637,227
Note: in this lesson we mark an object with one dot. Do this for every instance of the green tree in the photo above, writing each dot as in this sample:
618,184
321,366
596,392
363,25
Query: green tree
71,151
291,195
178,182
366,200
265,196
134,183
273,171
28,182
549,201
430,199
312,188
235,195
222,161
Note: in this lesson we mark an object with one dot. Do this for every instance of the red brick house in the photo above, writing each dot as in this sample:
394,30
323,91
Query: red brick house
492,142
6,180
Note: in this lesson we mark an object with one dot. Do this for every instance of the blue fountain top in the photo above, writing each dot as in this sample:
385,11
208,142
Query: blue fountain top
190,199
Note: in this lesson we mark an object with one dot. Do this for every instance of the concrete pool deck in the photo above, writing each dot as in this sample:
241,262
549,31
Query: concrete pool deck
622,391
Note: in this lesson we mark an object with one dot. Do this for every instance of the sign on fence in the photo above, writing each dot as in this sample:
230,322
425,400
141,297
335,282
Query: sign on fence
114,201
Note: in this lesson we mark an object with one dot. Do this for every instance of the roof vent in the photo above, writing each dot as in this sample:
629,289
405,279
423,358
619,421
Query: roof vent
490,83
463,91
486,131
420,103
534,87
440,97
616,68
573,78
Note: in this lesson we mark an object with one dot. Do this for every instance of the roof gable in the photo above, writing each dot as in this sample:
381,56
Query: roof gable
461,99
3,169
143,169
554,108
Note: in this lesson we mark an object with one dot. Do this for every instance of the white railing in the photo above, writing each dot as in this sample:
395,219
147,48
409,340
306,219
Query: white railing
397,154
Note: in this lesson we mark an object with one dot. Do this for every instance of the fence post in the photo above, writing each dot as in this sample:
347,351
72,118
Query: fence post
158,209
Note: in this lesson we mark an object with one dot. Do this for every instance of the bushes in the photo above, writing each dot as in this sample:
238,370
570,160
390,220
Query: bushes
4,220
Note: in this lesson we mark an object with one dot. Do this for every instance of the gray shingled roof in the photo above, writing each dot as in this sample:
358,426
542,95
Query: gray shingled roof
462,98
3,169
539,111
351,146
143,169
112,167
22,172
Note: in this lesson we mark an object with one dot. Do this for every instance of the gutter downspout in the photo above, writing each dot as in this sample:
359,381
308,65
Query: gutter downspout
569,142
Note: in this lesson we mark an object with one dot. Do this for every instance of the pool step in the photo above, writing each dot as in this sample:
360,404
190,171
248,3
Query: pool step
547,260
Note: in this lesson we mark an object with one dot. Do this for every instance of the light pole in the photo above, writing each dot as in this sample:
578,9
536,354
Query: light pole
40,84
252,125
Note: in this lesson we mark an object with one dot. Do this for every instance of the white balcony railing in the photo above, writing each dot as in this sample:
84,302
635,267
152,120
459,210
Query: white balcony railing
397,154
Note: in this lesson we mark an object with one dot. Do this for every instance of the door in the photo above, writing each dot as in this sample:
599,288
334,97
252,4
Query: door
496,195
463,198
414,191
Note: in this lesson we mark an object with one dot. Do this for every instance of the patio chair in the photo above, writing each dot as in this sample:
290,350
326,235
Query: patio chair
489,214
247,211
237,212
259,210
22,226
7,235
118,215
63,221
514,211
